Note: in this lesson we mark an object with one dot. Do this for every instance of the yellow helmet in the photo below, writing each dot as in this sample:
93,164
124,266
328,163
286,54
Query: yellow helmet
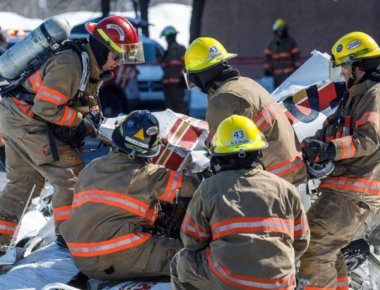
354,46
237,134
205,52
279,24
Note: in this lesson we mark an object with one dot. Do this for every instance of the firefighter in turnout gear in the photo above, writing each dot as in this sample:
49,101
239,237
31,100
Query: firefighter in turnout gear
244,227
282,55
117,203
46,117
172,63
207,67
351,138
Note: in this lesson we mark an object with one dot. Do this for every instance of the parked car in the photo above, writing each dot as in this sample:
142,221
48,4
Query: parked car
133,86
15,35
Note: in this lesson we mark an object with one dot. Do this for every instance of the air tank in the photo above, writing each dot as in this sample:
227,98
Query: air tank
14,61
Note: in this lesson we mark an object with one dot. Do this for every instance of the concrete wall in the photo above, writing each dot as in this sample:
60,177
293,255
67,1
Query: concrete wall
244,26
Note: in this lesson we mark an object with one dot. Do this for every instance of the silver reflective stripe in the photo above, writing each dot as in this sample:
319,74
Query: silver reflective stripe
270,112
347,142
52,96
62,213
121,201
299,226
173,187
190,228
110,246
247,283
69,116
238,225
341,284
7,228
354,183
286,167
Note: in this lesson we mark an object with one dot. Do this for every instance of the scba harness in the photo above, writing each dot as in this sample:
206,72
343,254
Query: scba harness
66,134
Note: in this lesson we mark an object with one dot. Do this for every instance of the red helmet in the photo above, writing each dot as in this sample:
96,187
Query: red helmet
120,37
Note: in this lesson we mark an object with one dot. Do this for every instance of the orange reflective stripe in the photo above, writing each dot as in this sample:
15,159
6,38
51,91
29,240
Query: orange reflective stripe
286,167
174,183
115,199
372,117
251,225
342,283
170,80
24,107
348,146
68,117
288,70
346,130
301,226
247,282
355,184
107,247
330,138
266,115
62,213
285,54
195,231
7,228
35,80
267,51
173,62
295,50
50,95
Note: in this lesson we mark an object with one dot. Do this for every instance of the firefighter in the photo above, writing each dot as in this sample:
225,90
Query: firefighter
48,119
207,67
244,227
173,64
117,201
350,138
282,55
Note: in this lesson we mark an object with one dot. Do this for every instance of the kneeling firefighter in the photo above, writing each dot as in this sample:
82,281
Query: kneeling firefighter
116,231
44,118
244,227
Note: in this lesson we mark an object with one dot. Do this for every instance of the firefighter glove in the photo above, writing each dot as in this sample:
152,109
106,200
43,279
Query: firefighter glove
318,151
87,127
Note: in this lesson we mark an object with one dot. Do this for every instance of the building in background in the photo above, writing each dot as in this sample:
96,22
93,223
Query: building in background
243,26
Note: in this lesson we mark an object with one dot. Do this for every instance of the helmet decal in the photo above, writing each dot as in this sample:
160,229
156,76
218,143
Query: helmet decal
118,29
214,52
135,142
152,130
354,44
238,137
140,134
339,48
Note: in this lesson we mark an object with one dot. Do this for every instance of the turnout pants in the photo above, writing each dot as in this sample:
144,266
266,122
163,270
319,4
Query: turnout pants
175,98
334,220
27,164
148,260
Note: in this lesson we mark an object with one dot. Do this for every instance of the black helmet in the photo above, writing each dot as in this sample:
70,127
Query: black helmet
137,134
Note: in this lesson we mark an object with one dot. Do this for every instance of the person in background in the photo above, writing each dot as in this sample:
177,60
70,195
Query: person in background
173,64
119,200
245,228
351,139
207,67
282,55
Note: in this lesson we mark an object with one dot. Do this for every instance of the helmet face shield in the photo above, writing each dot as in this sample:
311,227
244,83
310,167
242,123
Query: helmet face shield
188,81
130,53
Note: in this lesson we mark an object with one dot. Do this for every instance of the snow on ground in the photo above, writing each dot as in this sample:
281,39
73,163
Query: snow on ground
177,15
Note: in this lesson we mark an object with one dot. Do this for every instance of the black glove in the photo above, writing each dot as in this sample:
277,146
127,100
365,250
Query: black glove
268,72
87,127
318,151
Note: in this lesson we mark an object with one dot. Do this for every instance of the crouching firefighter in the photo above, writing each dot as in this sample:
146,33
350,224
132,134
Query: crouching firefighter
118,198
351,139
47,116
244,227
